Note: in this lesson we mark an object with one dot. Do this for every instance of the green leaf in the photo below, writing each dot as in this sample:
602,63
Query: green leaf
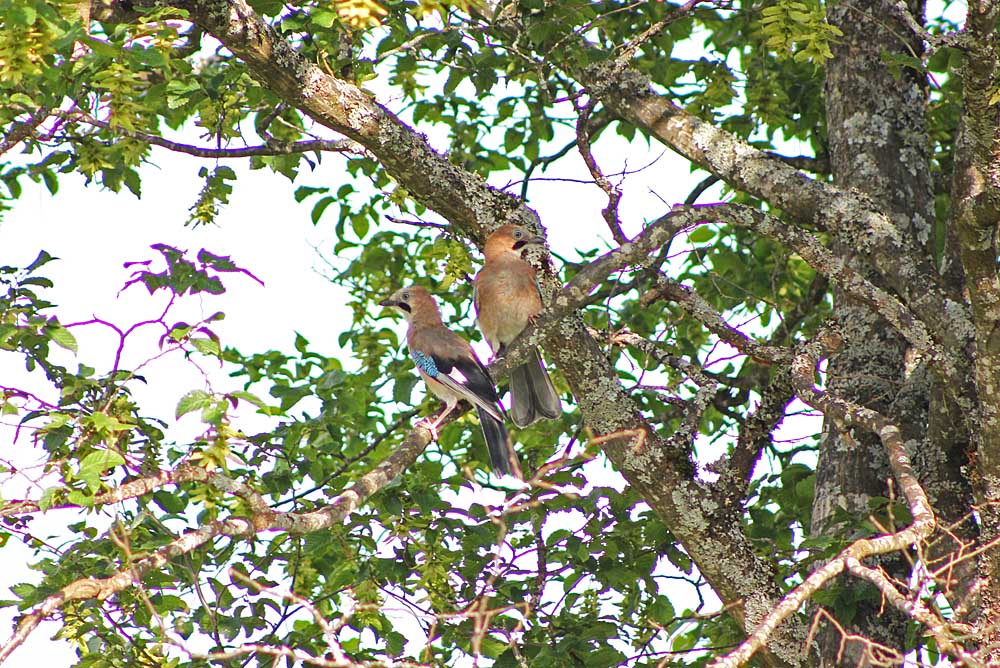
214,412
63,337
701,234
23,14
252,398
169,502
302,192
603,657
192,401
107,424
49,497
324,18
100,461
207,346
319,208
42,258
80,498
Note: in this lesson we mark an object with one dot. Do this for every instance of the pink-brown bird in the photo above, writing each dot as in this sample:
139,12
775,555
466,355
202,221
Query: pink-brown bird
452,372
507,299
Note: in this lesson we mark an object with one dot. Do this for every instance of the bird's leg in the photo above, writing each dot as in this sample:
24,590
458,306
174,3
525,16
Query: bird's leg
432,425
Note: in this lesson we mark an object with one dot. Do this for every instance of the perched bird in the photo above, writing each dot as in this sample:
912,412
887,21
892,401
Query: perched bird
507,299
452,372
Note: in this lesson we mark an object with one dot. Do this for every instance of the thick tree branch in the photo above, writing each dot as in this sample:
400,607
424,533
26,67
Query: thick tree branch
850,216
976,207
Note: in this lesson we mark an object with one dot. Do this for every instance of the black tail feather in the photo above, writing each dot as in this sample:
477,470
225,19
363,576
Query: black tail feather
498,442
532,396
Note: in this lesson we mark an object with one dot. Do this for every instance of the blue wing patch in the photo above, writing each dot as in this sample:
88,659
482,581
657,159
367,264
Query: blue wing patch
425,363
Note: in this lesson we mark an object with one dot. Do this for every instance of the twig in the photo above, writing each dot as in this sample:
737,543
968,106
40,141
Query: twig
23,129
610,212
334,146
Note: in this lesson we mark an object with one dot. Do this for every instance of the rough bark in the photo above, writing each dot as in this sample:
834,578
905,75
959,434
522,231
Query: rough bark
878,144
976,210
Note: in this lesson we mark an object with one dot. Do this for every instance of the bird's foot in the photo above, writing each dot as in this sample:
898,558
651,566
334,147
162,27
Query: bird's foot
430,425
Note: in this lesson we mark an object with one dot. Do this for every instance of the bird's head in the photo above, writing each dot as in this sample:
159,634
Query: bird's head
511,238
412,301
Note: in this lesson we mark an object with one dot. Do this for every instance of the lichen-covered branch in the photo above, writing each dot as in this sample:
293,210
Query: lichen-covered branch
803,371
848,215
142,486
976,209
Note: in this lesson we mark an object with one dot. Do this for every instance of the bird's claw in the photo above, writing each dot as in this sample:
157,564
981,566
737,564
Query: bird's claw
429,425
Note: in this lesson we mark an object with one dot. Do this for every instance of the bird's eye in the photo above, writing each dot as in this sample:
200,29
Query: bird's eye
405,296
518,234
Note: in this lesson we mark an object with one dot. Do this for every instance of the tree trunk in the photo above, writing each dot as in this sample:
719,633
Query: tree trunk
878,144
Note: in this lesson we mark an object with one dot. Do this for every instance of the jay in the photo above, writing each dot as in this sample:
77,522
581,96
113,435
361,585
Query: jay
452,372
507,299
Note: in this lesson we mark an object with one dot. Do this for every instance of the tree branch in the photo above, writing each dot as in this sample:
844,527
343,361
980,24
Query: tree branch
850,216
610,212
262,519
271,148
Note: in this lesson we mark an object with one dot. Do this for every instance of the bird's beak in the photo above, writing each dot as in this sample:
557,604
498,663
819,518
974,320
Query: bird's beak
395,303
528,241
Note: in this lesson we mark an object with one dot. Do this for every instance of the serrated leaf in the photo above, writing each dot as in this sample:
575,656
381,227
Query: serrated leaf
63,337
192,401
100,461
